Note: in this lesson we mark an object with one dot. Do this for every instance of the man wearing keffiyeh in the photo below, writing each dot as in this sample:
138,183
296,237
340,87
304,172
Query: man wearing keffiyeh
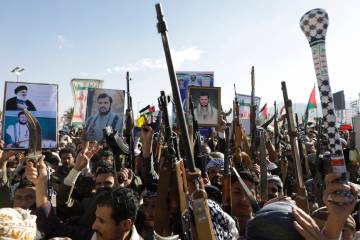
215,169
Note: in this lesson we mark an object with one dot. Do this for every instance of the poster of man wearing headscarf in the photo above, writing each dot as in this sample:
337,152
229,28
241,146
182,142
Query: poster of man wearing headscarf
207,104
38,98
105,107
187,79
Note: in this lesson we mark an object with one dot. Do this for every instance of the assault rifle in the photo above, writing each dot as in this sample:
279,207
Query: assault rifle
240,139
302,148
276,130
227,175
263,167
202,218
199,158
159,139
301,196
172,185
130,163
253,116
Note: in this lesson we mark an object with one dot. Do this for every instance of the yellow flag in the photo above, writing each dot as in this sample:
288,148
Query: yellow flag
140,121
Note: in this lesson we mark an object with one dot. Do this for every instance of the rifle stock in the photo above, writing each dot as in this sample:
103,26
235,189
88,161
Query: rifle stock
273,155
172,184
263,168
301,198
302,149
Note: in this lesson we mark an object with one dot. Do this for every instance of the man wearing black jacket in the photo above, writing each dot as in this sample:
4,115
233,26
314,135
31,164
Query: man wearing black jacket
20,102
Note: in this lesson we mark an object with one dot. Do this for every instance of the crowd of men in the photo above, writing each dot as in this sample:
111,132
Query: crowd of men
88,190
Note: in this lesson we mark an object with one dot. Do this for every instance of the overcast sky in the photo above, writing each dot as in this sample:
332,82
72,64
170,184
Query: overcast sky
56,41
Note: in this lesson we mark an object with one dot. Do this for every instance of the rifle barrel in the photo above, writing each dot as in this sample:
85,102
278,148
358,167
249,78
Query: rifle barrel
293,136
162,29
226,153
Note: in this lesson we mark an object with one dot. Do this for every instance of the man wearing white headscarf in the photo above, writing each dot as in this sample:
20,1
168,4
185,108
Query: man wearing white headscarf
17,223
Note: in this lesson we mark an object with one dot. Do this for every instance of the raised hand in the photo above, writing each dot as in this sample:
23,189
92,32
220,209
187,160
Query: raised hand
36,172
146,136
221,125
306,225
5,155
338,205
83,158
125,176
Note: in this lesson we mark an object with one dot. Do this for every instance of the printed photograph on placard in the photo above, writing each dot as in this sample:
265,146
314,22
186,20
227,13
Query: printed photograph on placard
42,101
80,89
198,79
105,107
245,102
207,104
187,79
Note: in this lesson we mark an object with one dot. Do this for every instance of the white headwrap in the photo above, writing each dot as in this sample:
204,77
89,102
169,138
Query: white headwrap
17,223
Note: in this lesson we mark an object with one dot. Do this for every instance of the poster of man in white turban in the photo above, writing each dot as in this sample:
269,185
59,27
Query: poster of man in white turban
207,103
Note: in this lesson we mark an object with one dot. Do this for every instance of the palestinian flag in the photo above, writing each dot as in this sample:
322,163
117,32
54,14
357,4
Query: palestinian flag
147,110
264,111
144,114
311,104
263,114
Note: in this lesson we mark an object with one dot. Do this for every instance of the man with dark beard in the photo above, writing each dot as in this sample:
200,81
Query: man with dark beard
17,135
96,123
205,112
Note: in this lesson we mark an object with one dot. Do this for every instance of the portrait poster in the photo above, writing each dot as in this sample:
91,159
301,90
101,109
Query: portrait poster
105,107
197,79
245,103
192,78
207,104
80,89
38,98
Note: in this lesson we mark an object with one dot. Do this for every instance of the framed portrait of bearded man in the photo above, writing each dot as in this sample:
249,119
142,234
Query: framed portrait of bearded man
207,105
105,107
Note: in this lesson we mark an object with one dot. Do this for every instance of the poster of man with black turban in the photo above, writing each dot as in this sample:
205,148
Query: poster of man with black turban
20,101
